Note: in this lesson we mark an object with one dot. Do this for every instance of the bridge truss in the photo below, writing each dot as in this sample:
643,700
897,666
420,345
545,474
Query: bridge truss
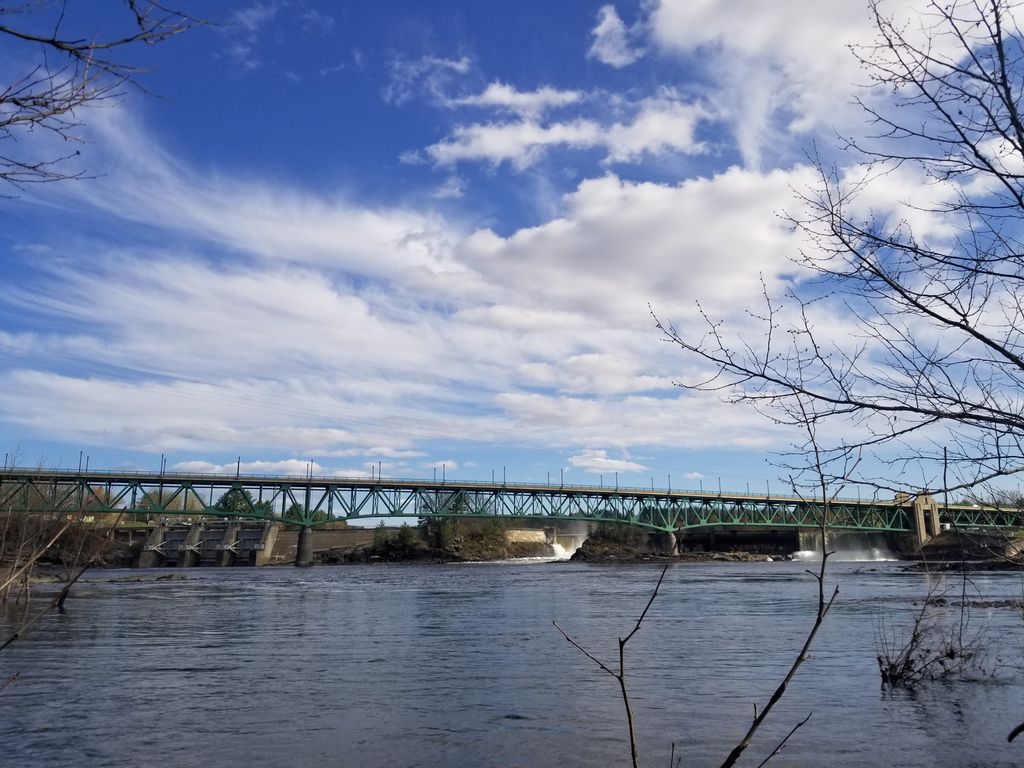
313,501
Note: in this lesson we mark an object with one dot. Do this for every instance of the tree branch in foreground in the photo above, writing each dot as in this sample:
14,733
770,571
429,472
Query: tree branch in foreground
621,674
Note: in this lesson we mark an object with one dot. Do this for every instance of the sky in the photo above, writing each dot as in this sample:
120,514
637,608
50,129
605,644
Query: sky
425,238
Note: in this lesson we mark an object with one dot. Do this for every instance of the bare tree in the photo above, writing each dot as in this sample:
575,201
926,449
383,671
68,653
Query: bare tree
932,291
73,65
935,311
811,483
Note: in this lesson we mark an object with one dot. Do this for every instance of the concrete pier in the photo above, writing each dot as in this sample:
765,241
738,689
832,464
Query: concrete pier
189,552
152,553
227,545
304,550
664,543
926,519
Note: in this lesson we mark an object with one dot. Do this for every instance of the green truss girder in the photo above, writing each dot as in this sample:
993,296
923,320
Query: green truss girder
326,499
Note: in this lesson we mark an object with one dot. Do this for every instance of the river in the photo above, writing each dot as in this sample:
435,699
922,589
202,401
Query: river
459,665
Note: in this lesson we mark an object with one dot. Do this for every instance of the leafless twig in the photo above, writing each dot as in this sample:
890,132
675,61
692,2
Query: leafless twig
620,676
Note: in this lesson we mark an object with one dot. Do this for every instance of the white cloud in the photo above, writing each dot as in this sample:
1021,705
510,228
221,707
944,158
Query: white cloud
245,26
598,461
445,465
289,467
660,125
253,18
316,22
520,144
612,45
602,373
779,68
322,328
279,224
427,76
451,188
531,104
620,245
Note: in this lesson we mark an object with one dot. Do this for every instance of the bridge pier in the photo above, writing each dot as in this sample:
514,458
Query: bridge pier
152,553
304,549
189,557
665,543
926,519
227,545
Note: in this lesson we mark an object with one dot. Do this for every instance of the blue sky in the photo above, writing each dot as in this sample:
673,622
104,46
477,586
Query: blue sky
418,234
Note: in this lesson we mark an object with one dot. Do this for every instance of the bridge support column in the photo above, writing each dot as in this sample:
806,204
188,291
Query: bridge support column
227,552
152,553
304,548
188,557
926,518
264,553
665,543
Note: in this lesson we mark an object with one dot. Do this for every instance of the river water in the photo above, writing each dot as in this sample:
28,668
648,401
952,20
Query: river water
459,665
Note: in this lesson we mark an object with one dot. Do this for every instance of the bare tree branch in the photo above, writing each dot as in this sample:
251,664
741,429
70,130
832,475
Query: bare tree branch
936,315
73,68
620,676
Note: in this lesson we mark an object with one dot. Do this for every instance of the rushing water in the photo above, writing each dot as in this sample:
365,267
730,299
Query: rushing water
459,665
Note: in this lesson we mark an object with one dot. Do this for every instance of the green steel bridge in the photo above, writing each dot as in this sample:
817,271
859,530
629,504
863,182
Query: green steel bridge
309,502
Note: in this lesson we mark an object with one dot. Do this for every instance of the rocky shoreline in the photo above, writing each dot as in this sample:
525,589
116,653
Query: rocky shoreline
585,555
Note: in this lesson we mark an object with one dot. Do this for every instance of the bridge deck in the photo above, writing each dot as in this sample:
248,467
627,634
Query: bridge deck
312,501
